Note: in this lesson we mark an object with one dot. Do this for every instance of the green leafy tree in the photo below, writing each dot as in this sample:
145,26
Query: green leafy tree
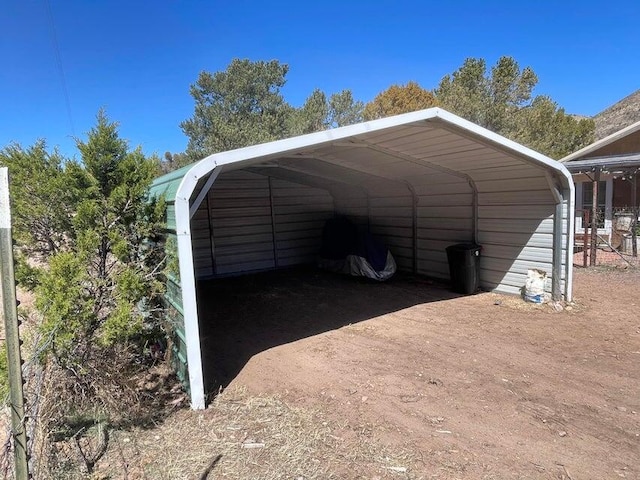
173,161
503,101
399,99
243,105
42,194
344,109
99,294
237,107
546,128
490,100
312,116
319,113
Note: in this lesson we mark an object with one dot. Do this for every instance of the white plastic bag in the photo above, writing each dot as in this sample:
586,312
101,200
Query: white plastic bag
534,286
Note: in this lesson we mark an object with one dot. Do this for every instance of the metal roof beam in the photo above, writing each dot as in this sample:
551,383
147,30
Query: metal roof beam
203,192
455,173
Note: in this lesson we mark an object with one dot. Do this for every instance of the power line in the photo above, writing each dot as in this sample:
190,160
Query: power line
56,50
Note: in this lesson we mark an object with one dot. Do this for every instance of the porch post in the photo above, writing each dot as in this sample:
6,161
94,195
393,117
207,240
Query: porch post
594,219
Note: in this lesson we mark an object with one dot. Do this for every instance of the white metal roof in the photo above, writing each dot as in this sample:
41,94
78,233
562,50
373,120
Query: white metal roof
394,148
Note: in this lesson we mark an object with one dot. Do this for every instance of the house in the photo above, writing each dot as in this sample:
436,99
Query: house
613,163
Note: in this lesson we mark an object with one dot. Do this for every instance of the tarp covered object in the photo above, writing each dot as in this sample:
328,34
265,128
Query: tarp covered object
349,251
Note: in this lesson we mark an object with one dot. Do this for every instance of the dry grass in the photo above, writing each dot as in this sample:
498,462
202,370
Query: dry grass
77,415
240,436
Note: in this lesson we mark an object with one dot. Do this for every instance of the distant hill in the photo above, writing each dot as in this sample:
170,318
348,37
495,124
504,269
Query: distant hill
617,116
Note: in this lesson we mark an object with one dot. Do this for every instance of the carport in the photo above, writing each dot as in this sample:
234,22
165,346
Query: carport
420,181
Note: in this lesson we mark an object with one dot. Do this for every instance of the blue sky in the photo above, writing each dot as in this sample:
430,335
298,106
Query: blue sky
138,58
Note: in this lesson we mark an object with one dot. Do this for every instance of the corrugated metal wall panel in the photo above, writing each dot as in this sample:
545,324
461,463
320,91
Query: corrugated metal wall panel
385,211
514,172
393,222
445,188
505,283
241,224
567,243
540,240
173,312
240,213
179,346
303,210
433,268
529,253
525,197
520,184
238,266
171,216
516,225
515,221
201,242
294,229
515,267
444,211
514,210
354,206
445,217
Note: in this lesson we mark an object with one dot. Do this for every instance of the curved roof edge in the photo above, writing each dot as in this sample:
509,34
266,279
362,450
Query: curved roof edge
634,127
168,184
174,183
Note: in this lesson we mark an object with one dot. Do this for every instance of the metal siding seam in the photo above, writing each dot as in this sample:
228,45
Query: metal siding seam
368,200
414,214
209,220
273,224
474,206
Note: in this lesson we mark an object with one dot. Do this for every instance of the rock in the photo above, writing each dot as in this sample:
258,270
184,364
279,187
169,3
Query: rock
562,433
252,445
397,469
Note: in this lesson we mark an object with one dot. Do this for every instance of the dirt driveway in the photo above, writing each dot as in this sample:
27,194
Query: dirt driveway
475,387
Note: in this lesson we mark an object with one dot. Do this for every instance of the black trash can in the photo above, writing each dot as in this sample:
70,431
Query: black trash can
464,267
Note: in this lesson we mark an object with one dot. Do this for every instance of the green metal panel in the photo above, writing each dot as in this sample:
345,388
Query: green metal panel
173,293
179,347
168,184
174,314
171,216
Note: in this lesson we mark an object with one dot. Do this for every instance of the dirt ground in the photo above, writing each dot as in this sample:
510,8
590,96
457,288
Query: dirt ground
334,377
483,386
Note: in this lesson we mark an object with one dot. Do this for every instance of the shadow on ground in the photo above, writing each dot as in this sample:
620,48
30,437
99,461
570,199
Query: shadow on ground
243,316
